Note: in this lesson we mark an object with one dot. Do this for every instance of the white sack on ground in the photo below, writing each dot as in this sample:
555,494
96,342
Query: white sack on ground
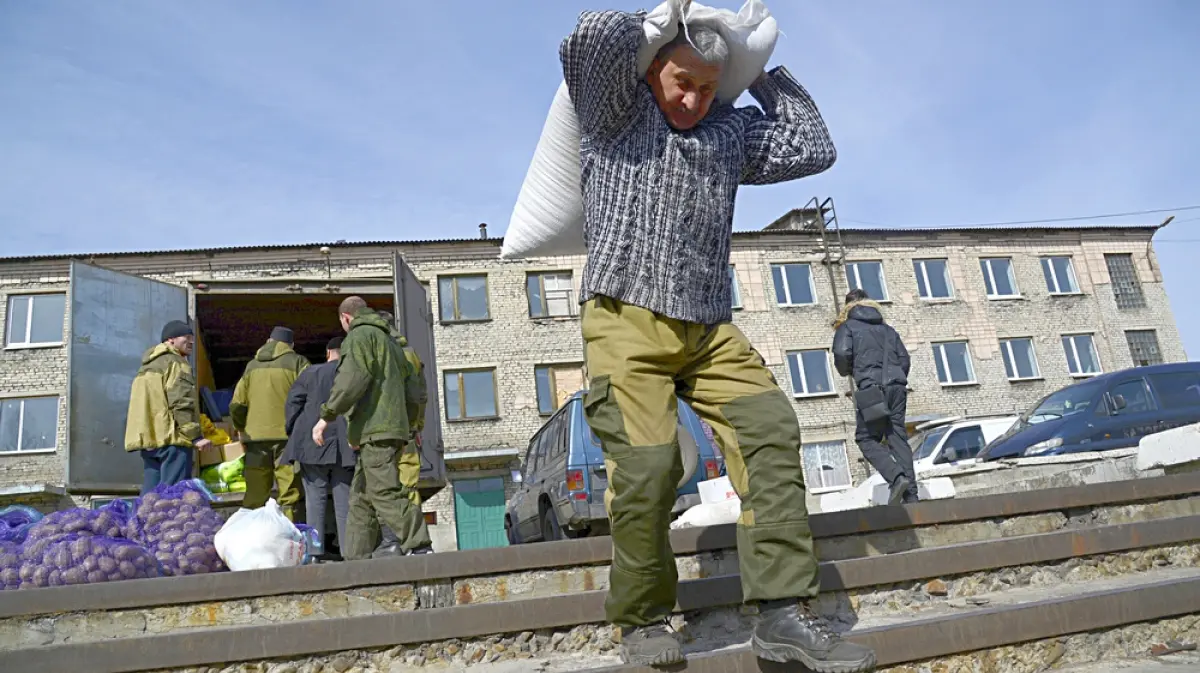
547,219
712,514
253,539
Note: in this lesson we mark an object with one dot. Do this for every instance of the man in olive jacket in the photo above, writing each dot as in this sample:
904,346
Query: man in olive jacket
410,457
374,388
259,415
164,419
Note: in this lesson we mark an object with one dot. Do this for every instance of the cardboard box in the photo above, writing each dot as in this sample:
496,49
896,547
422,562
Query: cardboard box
220,454
716,490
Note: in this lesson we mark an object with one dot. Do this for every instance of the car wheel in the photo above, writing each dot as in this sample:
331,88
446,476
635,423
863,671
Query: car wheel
511,531
551,531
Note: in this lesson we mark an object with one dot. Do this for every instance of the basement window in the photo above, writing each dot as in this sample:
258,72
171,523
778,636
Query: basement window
826,466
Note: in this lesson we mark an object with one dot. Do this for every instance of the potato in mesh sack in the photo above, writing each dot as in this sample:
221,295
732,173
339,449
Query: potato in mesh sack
108,521
177,524
78,558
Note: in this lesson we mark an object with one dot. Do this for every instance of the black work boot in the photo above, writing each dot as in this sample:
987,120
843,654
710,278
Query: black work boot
654,645
898,489
389,544
791,631
912,495
427,549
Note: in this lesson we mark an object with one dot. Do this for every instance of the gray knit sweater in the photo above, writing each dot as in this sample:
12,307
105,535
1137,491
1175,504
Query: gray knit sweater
658,203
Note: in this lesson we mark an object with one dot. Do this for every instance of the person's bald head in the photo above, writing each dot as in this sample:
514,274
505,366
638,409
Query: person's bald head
349,308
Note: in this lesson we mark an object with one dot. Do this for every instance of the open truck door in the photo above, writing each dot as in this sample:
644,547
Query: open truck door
115,317
414,318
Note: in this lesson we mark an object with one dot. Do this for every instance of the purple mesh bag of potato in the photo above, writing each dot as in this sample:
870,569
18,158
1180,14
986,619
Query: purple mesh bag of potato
15,522
177,525
78,558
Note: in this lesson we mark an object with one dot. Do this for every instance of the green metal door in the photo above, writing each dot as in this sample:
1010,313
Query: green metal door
479,513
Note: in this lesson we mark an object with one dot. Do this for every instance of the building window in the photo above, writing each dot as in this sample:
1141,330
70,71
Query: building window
1082,359
998,277
868,277
470,394
933,278
1143,347
953,362
551,295
826,465
1060,275
810,372
793,284
463,298
1127,289
35,320
735,290
1020,362
555,385
28,424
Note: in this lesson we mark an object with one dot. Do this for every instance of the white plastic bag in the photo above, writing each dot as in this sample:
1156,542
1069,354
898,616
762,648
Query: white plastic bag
711,514
547,219
253,539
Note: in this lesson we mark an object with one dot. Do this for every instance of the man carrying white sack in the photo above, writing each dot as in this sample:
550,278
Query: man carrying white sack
661,165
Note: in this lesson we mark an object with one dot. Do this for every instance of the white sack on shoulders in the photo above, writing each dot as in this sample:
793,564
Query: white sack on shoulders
548,219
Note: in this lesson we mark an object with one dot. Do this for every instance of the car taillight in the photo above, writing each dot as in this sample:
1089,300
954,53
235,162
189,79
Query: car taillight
711,469
574,480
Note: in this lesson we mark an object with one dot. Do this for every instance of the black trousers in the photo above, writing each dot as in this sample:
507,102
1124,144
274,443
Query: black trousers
884,443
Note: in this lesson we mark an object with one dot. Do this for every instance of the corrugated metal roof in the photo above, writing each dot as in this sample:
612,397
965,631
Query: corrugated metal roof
497,241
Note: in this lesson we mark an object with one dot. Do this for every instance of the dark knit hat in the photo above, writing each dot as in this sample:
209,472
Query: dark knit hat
176,329
282,334
334,344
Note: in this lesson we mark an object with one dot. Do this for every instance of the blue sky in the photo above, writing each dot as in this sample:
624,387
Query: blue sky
148,125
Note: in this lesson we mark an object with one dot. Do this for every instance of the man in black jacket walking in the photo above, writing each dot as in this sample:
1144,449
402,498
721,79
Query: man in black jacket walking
322,468
862,344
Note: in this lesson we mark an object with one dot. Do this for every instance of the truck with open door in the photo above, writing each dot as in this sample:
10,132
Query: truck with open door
115,317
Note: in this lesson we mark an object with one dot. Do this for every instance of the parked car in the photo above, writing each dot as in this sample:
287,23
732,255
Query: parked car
1109,411
953,440
563,480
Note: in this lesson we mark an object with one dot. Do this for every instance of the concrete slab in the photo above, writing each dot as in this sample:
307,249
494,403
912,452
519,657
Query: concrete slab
1170,448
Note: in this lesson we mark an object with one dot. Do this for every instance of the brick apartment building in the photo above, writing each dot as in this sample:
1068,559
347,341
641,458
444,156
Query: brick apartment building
994,319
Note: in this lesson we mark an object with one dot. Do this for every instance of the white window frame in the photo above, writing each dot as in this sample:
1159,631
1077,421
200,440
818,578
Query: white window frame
735,289
540,277
924,270
21,425
1073,357
816,490
857,282
787,289
803,393
989,274
939,348
1006,351
1047,261
9,343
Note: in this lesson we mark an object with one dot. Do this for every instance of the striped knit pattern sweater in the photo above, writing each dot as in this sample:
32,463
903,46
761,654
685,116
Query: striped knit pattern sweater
658,203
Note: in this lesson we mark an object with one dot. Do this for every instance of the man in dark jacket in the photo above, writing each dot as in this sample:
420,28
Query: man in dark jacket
861,344
375,389
322,468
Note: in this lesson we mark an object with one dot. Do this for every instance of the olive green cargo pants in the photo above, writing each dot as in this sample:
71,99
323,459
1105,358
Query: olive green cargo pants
264,471
638,362
376,495
410,476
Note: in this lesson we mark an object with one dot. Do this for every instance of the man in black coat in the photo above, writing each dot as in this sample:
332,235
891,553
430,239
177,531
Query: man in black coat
861,344
322,468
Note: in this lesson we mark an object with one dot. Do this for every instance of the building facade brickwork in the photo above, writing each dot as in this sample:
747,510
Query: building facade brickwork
512,344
